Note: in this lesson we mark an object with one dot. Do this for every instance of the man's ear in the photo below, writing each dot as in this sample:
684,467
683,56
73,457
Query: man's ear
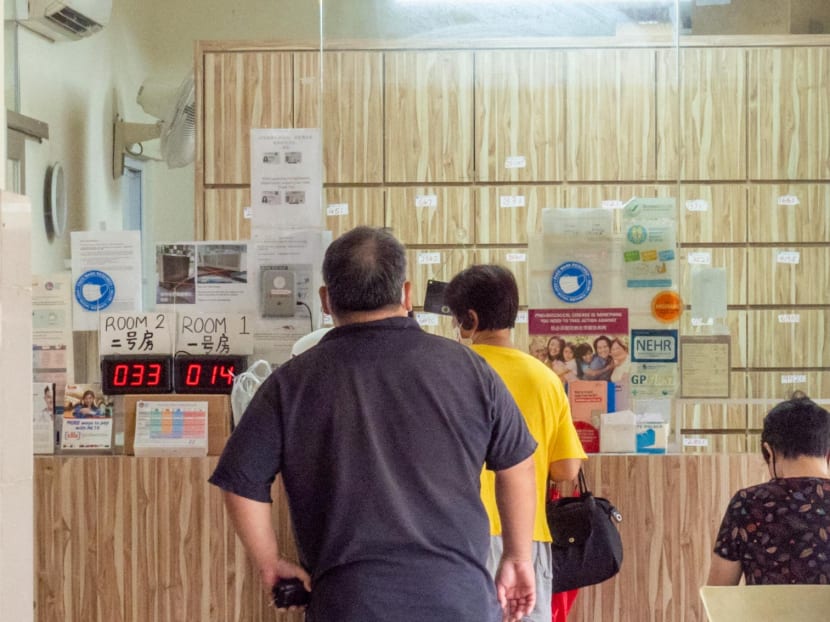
470,320
406,296
324,300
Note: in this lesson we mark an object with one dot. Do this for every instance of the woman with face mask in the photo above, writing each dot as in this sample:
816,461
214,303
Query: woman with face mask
779,531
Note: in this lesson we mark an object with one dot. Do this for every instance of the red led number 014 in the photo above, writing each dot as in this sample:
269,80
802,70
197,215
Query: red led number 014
193,375
136,375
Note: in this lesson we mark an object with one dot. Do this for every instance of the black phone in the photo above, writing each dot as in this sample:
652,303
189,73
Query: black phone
290,593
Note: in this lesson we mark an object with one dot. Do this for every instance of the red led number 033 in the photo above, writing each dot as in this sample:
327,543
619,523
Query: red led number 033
136,375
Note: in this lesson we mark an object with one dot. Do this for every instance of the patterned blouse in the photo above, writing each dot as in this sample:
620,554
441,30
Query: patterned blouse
779,531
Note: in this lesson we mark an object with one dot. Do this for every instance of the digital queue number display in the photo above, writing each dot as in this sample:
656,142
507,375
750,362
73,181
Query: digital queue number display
214,374
122,375
206,374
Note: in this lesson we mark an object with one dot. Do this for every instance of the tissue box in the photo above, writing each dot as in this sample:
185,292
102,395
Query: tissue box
617,432
652,436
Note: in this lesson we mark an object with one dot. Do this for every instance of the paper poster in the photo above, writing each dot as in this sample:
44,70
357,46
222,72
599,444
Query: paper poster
286,180
87,418
287,270
171,428
43,412
649,253
704,366
52,331
106,275
210,275
576,261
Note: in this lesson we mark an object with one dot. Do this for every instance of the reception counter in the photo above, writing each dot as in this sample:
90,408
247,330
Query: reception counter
125,539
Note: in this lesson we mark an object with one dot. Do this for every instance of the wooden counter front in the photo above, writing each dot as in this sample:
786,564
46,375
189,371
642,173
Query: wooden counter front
125,539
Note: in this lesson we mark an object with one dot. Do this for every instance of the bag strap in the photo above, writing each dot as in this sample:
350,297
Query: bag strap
583,486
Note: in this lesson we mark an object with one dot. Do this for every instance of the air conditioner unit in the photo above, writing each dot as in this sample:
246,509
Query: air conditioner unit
63,20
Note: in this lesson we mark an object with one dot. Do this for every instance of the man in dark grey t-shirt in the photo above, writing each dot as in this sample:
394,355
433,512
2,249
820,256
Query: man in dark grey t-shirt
380,432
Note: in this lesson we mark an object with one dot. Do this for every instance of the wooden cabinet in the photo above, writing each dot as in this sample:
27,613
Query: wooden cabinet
346,208
506,214
437,264
711,213
701,114
520,115
351,115
789,213
428,118
224,214
431,215
789,136
611,122
789,275
788,337
733,260
241,91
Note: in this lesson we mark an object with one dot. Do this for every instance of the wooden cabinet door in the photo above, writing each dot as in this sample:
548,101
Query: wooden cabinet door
429,117
352,115
225,217
347,208
789,275
514,259
243,90
711,213
701,114
430,215
437,264
788,337
520,124
734,260
610,115
506,214
789,133
789,213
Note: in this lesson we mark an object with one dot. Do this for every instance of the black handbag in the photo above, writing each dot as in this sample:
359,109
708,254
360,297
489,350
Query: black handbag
586,548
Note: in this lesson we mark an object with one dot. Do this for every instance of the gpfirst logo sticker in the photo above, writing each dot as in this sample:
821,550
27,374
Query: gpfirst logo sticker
94,290
572,282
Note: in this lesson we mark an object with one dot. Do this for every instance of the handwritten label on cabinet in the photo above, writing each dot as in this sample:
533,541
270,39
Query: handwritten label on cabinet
793,379
697,205
702,258
521,317
426,319
426,200
788,199
515,162
247,213
695,442
699,321
612,204
512,200
426,259
789,318
792,257
516,257
337,209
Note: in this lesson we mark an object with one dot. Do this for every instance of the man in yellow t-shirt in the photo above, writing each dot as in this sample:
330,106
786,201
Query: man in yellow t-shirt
484,301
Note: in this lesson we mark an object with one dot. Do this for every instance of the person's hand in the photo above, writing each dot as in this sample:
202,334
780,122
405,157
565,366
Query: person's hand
283,569
516,589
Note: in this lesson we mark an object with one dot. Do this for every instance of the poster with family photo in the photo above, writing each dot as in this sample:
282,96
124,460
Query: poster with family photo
589,350
286,180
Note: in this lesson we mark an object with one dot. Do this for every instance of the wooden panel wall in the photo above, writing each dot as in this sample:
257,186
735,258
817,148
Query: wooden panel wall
472,142
128,539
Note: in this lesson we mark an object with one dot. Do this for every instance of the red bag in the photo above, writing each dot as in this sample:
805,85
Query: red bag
562,602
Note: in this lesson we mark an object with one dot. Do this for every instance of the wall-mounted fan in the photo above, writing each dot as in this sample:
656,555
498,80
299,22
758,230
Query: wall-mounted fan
174,107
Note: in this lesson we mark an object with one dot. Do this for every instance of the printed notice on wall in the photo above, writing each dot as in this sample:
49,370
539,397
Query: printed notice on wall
106,272
704,366
286,180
